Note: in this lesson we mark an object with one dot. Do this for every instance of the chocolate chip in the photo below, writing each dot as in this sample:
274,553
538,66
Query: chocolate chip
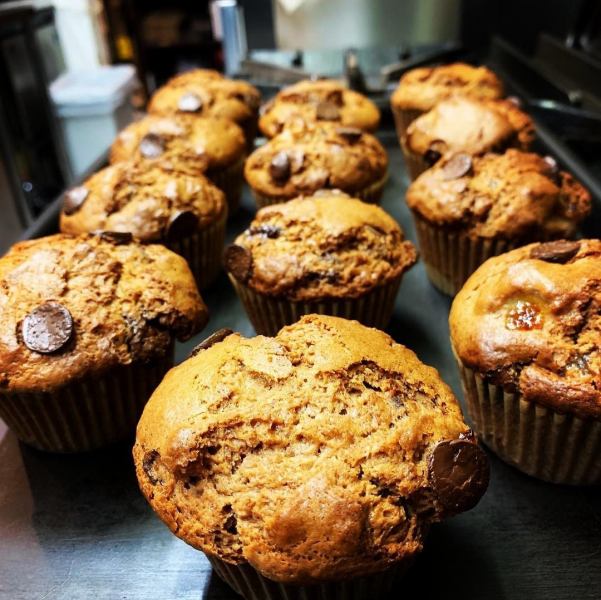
279,167
459,474
296,156
265,230
148,466
182,224
231,525
432,157
74,199
213,339
457,166
47,328
189,102
350,134
152,145
560,251
239,262
326,111
116,237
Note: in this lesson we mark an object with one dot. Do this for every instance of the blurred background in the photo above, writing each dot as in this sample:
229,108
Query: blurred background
74,72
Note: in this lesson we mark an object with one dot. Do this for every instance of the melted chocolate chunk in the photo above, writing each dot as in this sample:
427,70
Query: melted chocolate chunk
189,102
327,111
47,328
152,145
459,473
560,251
350,134
74,199
280,168
432,157
457,166
239,262
116,237
148,466
182,224
213,339
268,231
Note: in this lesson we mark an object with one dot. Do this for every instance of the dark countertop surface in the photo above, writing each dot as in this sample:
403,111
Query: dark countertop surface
76,527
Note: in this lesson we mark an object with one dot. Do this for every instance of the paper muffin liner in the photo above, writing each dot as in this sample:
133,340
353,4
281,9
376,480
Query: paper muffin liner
269,314
415,163
403,118
230,180
250,127
537,440
450,257
203,251
371,194
90,413
249,583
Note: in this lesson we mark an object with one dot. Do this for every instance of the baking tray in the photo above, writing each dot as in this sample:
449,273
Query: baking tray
76,527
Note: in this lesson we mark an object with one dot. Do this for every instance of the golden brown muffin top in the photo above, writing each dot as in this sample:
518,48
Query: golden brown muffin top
530,320
422,88
197,94
73,306
465,125
151,203
514,195
305,158
188,144
323,100
321,454
323,246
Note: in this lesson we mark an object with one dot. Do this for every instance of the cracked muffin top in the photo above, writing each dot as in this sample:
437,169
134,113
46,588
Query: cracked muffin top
530,320
320,454
322,100
513,195
196,93
151,203
71,306
465,125
423,88
188,144
308,157
325,246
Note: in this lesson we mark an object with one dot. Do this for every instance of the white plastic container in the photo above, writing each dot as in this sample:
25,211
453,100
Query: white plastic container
93,106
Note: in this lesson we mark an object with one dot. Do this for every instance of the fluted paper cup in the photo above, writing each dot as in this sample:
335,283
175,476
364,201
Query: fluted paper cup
403,118
229,180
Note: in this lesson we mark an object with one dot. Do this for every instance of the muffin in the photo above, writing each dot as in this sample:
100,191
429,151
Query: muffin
309,465
464,125
192,145
322,100
186,213
87,330
468,209
327,254
304,159
526,330
196,93
420,89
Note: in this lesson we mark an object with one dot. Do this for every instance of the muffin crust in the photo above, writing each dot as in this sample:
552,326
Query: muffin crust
312,455
530,320
123,301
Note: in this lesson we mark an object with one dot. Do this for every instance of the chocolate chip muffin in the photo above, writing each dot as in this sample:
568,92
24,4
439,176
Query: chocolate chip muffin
469,209
192,145
87,330
309,157
186,213
322,100
309,465
526,329
420,89
465,125
199,94
327,254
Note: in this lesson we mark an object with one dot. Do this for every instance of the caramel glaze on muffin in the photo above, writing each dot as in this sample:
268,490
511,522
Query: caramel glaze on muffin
151,203
321,454
187,144
304,159
464,125
422,88
530,320
515,195
322,100
107,300
325,246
